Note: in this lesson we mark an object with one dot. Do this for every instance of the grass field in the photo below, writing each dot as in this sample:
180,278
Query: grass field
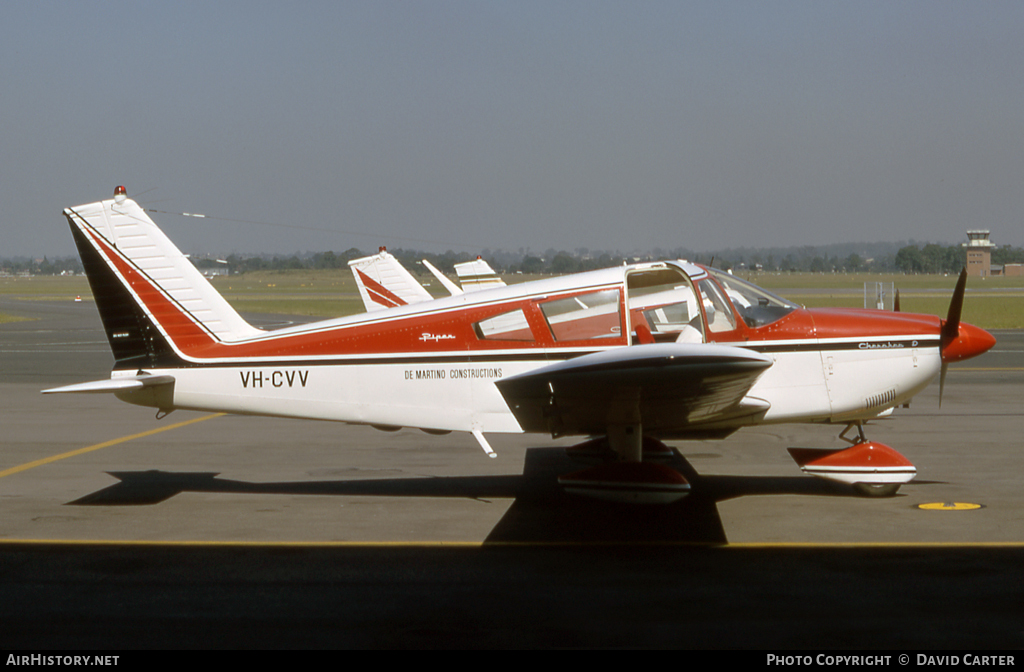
42,288
993,303
856,281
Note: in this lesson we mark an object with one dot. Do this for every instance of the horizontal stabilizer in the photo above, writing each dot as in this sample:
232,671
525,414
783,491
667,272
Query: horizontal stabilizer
121,384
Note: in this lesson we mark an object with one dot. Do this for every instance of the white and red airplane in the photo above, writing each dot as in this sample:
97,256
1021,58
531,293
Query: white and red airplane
627,356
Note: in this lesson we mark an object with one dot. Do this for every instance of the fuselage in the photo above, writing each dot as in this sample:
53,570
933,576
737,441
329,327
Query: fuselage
435,365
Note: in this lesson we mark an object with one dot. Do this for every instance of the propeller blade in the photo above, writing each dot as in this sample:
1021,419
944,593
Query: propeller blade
951,327
942,381
951,331
896,302
959,341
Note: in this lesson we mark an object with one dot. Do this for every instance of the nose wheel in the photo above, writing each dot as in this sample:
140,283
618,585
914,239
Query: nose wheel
873,469
877,489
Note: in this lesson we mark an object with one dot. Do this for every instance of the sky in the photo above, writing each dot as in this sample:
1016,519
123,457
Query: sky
436,125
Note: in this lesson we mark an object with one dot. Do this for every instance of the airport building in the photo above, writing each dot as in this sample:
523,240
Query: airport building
979,253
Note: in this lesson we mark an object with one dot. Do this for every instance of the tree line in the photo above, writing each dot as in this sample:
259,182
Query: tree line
44,266
887,258
909,258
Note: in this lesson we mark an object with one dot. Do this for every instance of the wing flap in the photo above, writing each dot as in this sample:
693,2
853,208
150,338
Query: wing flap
668,387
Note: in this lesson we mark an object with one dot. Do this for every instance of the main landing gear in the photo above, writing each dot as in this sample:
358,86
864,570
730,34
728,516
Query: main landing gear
629,471
873,469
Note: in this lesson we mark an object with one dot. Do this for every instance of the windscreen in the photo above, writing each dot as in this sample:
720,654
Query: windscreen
755,305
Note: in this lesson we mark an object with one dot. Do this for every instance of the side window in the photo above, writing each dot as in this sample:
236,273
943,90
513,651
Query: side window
511,326
584,316
716,307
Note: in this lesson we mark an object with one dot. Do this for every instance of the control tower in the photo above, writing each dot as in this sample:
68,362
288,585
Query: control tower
979,253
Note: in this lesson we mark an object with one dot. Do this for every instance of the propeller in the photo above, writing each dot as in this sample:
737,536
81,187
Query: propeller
896,302
950,331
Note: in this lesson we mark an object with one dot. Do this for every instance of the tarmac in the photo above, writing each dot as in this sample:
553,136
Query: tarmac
122,531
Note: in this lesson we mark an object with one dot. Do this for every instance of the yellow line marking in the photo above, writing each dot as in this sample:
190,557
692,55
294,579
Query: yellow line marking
106,444
883,544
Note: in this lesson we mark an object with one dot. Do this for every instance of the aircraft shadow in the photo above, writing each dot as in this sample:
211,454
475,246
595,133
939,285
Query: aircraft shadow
541,510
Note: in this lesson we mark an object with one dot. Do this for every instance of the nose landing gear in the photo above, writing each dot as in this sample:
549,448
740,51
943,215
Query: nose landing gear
873,469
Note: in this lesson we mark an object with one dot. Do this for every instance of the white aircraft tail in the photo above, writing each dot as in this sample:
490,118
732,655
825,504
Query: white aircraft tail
384,283
477,275
146,290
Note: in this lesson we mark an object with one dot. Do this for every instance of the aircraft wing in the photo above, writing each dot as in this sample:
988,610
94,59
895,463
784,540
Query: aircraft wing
671,388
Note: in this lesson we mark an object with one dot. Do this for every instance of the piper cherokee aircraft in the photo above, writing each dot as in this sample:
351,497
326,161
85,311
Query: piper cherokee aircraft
626,356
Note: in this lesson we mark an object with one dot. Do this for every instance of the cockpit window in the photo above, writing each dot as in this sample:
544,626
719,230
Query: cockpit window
755,305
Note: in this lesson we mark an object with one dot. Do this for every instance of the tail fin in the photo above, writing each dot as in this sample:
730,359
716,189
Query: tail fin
476,275
147,292
384,283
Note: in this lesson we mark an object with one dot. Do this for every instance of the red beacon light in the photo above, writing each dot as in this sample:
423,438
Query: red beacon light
120,193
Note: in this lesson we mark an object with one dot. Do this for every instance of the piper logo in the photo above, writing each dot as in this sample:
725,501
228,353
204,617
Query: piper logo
425,336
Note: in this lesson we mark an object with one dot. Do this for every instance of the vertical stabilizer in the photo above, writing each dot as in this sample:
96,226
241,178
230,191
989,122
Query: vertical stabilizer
384,283
476,275
130,262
